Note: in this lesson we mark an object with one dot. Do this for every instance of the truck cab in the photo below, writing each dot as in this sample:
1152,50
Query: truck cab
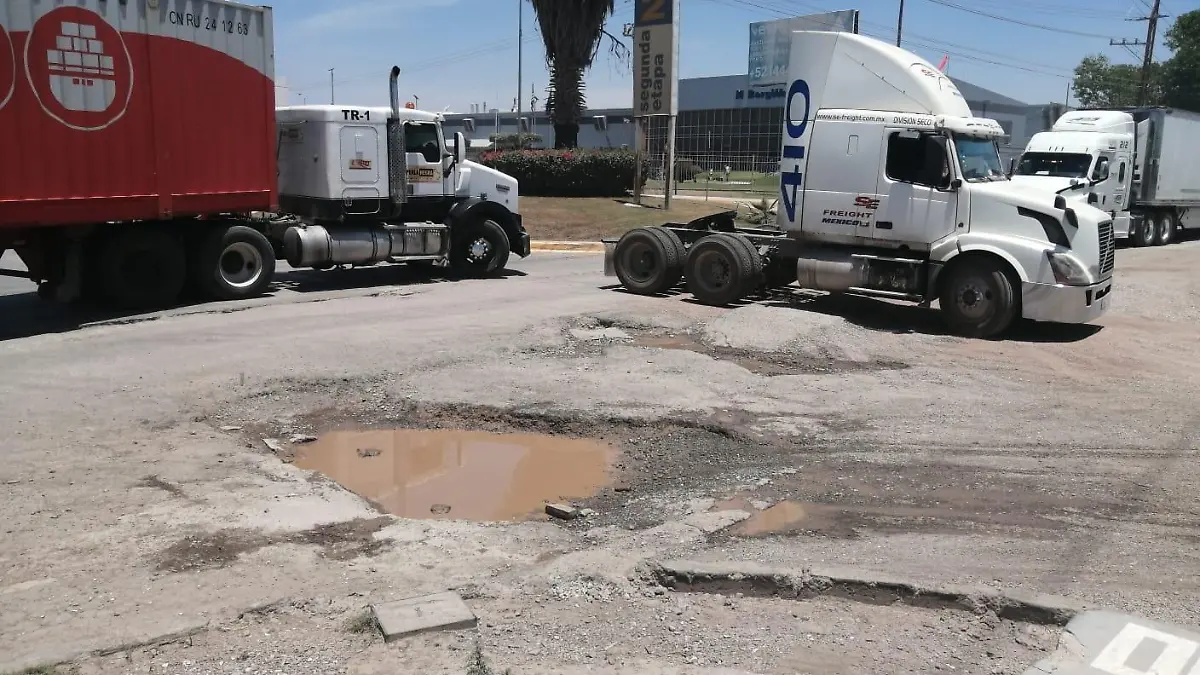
1088,157
379,184
890,187
349,146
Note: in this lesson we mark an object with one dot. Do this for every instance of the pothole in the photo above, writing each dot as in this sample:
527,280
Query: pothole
450,473
769,364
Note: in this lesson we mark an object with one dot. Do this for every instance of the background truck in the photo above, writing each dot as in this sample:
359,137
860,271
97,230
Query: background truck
890,188
140,137
1137,164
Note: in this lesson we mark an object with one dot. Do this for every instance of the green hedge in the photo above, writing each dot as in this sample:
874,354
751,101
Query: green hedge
569,173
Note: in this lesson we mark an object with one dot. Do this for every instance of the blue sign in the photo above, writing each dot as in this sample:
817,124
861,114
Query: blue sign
653,12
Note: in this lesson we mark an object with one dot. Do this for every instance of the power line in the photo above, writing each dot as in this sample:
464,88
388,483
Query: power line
1027,24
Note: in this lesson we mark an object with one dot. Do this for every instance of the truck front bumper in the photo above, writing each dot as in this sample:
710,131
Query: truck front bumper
1065,304
521,246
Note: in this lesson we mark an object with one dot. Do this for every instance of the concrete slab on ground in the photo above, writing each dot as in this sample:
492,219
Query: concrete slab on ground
1109,643
404,618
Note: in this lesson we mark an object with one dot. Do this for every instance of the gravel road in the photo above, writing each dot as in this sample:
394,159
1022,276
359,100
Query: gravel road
147,527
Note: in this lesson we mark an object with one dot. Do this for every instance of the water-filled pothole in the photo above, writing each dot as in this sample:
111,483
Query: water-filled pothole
468,475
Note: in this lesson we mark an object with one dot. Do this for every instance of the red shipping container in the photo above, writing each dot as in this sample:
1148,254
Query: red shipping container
118,110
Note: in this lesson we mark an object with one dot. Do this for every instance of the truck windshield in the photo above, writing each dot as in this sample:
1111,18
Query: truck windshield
978,159
1058,164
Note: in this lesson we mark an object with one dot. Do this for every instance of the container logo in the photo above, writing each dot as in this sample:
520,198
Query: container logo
8,68
79,68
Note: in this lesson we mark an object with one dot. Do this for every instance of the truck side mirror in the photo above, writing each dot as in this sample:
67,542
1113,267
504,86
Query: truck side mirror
460,147
1093,198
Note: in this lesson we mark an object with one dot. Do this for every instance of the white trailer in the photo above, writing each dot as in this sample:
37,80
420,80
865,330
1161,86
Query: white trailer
1136,164
889,187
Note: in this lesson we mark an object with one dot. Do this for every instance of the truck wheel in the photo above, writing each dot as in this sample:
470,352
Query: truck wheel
649,260
1165,228
758,277
719,270
978,299
481,249
142,268
234,263
1144,235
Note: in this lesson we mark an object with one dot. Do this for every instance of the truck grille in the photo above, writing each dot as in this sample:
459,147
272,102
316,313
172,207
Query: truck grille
1108,248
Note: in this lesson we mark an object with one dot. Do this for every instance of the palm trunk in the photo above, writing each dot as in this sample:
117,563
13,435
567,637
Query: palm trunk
567,80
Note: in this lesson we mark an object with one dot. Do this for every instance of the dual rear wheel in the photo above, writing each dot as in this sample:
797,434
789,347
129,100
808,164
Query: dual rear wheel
149,267
720,268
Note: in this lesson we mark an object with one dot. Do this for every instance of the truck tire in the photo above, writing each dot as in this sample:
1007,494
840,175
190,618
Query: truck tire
142,268
978,298
233,263
482,248
1144,234
758,278
1165,228
719,270
649,260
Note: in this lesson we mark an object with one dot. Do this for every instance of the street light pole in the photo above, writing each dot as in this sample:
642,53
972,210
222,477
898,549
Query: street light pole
520,50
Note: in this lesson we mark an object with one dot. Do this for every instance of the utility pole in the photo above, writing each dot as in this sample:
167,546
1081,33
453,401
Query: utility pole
331,97
900,24
1148,58
520,49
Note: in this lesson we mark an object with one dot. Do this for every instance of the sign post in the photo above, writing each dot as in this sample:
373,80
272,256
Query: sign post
656,79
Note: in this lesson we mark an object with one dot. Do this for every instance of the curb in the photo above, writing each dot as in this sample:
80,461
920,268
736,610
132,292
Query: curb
755,580
568,246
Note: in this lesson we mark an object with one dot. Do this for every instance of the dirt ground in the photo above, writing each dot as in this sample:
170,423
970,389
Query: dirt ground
148,528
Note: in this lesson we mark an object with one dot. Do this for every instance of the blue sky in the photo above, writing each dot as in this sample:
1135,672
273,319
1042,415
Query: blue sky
458,52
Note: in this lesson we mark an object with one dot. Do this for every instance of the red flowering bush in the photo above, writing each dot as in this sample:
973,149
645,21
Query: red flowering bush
569,173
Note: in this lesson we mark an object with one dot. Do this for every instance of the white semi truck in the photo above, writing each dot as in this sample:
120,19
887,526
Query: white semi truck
1137,164
890,188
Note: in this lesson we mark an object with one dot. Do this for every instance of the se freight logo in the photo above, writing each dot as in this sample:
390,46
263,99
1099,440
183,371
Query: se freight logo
79,68
8,68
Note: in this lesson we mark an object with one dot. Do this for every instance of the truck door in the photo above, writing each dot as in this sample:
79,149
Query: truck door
1104,181
423,145
840,193
917,206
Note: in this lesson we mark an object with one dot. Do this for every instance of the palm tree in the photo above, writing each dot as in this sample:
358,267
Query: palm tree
572,31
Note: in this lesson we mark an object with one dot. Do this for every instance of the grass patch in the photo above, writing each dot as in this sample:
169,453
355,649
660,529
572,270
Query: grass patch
590,219
363,622
739,181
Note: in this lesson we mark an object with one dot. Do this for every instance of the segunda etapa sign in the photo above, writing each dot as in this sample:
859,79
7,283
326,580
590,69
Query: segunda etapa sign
655,57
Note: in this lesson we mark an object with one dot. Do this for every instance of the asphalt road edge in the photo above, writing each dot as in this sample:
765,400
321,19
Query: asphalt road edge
754,580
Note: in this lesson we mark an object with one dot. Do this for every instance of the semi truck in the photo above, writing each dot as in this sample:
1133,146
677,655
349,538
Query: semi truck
145,160
1134,163
889,187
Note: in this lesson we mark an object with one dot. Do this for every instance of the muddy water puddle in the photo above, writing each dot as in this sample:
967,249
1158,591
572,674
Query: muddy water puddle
467,475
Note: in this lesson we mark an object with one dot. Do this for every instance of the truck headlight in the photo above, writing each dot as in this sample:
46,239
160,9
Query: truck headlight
1067,270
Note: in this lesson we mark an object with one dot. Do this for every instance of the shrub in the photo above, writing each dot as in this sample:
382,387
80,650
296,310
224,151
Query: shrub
521,141
686,169
569,173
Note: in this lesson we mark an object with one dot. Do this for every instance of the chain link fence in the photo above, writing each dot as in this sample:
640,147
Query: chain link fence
739,159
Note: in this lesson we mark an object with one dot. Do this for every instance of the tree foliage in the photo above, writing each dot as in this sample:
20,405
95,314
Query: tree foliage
1100,83
572,32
